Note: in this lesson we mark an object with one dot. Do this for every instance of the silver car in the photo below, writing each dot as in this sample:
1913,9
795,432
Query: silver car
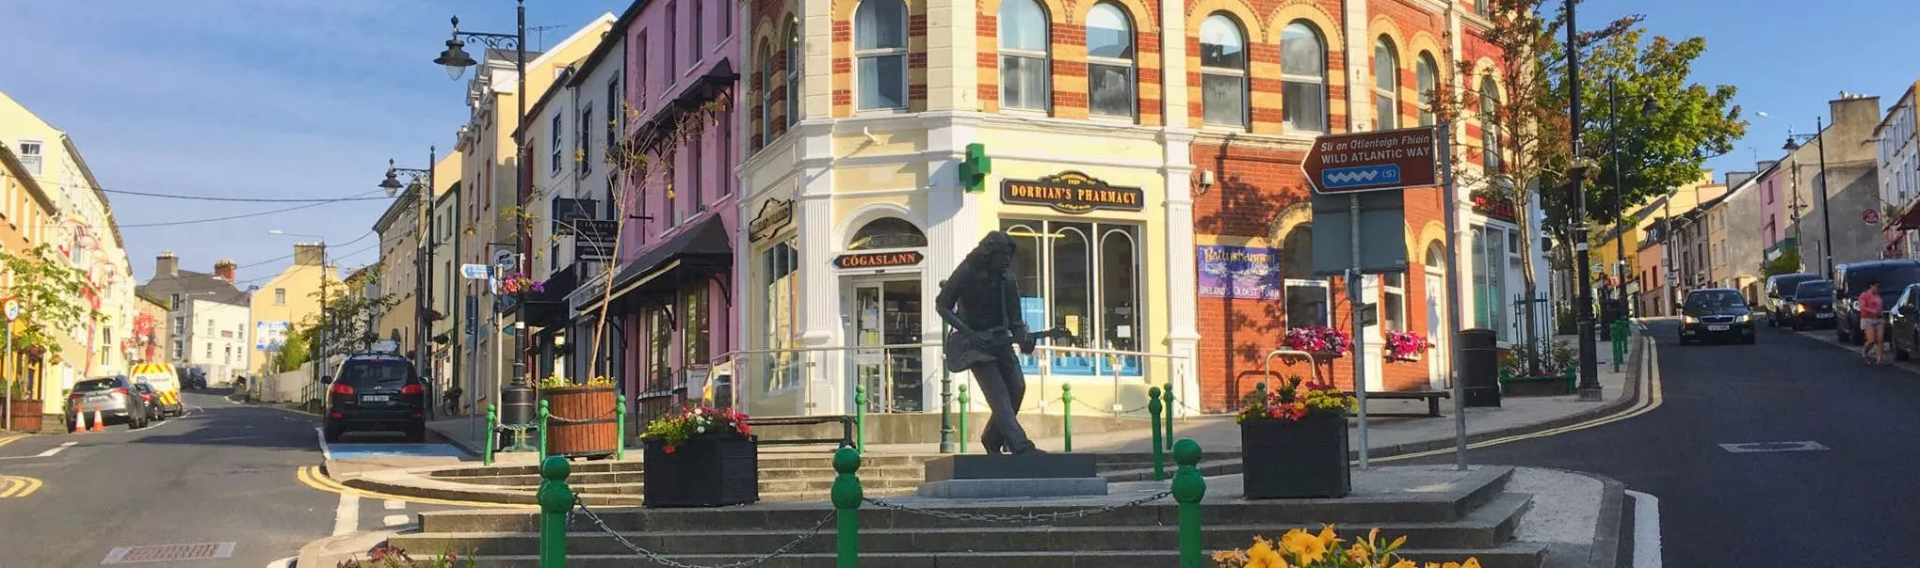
113,399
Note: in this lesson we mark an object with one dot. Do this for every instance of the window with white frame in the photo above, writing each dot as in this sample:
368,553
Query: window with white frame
1110,62
614,113
1303,78
780,285
1085,277
1023,55
794,62
555,139
31,155
765,79
1393,300
1386,85
880,51
1489,124
1309,298
586,140
1426,77
1223,72
698,25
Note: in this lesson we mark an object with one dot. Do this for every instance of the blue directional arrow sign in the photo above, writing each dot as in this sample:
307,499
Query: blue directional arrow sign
1372,161
1360,176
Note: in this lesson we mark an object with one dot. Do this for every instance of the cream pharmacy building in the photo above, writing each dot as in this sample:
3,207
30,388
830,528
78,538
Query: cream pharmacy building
861,117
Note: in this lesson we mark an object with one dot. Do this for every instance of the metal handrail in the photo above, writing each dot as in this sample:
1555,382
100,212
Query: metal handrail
1266,366
1180,371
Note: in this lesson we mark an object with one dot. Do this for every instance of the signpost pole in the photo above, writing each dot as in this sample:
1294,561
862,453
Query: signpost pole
1453,298
1354,291
9,307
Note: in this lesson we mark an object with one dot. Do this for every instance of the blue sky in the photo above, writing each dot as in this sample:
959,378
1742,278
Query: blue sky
309,98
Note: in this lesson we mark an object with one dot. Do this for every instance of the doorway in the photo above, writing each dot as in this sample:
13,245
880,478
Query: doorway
887,313
1438,377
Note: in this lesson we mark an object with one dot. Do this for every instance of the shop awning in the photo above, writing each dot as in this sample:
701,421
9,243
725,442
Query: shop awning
1909,217
692,255
548,307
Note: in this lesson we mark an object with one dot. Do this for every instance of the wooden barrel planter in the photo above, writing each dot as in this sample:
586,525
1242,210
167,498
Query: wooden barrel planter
25,415
581,422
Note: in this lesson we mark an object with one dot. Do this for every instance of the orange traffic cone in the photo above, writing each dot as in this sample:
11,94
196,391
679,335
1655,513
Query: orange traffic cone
99,424
79,419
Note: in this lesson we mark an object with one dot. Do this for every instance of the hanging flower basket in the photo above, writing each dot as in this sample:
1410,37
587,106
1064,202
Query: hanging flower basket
520,285
1406,346
1322,342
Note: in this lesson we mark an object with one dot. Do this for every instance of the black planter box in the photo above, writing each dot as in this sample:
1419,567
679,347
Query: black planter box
1295,460
707,471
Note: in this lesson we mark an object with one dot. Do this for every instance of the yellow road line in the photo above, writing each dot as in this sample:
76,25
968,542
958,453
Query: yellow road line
12,487
1649,398
312,477
11,439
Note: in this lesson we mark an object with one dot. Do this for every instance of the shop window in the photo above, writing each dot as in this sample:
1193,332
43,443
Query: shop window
1303,78
1489,124
1223,72
1084,277
1426,77
779,269
1491,267
694,324
1308,298
1023,55
659,349
793,73
880,47
1393,300
1386,85
1110,63
887,233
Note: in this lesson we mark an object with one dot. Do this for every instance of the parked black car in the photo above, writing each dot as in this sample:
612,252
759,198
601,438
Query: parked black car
1850,280
376,392
1812,306
1902,316
1711,314
1782,289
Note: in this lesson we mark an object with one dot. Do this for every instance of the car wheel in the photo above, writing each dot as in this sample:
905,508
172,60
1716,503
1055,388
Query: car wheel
332,432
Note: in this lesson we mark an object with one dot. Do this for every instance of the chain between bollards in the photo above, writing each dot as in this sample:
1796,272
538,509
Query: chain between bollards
620,427
1188,489
964,399
493,431
556,501
546,411
860,417
1066,415
1168,414
1153,420
847,495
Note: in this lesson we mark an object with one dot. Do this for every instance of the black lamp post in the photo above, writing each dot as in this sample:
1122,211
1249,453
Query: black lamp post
420,184
517,397
1826,226
1589,386
1647,108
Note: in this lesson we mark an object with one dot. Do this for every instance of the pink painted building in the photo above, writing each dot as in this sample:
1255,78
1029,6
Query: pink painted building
675,291
1776,207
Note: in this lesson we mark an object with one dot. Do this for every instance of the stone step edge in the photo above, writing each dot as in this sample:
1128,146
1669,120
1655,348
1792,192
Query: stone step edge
1510,554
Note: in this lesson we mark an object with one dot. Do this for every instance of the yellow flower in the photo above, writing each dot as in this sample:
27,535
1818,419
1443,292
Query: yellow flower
1405,564
1327,536
1304,547
1471,563
1262,555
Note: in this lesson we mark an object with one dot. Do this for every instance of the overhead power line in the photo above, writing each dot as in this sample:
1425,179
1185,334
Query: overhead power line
231,217
241,199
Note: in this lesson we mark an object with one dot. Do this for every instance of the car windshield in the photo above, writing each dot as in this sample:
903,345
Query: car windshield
1892,279
96,385
1814,289
1715,299
1790,284
388,373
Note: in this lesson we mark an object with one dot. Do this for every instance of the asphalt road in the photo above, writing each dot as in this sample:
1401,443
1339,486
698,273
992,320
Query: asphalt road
1847,504
222,474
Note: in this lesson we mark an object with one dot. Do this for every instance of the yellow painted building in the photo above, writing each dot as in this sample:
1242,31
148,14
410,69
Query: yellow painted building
287,300
25,209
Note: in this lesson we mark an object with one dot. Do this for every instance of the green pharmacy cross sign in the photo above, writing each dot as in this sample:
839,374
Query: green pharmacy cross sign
974,170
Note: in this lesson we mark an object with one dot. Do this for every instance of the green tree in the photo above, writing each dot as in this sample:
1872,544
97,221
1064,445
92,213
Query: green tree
351,307
51,297
1787,263
296,351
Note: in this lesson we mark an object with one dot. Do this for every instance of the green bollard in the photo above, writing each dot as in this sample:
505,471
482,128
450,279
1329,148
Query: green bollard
493,421
1188,489
846,496
963,417
545,413
1153,420
860,417
1168,395
620,426
1066,415
556,500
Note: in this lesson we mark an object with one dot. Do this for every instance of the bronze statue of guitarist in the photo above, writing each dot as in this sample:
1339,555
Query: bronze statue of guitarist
981,302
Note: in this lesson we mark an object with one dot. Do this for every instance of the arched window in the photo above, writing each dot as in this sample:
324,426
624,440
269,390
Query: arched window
764,80
793,72
1223,72
880,48
887,233
1489,124
1386,85
1023,55
1303,78
1426,76
1110,63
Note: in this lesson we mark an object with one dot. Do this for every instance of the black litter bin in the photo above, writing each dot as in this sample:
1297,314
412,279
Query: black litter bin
1480,367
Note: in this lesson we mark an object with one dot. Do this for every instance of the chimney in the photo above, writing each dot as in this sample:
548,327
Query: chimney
166,265
1734,179
307,254
224,269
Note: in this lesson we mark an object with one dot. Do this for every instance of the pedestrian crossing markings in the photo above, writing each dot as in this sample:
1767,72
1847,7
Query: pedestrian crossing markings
13,486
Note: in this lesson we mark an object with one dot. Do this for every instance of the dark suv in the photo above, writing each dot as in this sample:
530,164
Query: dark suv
376,392
1850,280
1781,289
1716,313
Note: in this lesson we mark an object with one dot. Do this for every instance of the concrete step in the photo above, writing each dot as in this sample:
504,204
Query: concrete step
639,476
776,460
820,485
1489,527
1511,555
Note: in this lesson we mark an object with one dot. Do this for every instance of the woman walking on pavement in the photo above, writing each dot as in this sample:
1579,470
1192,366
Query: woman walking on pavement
1872,317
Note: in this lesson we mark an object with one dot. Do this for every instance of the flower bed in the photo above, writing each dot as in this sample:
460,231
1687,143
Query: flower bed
1301,549
701,457
1293,441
